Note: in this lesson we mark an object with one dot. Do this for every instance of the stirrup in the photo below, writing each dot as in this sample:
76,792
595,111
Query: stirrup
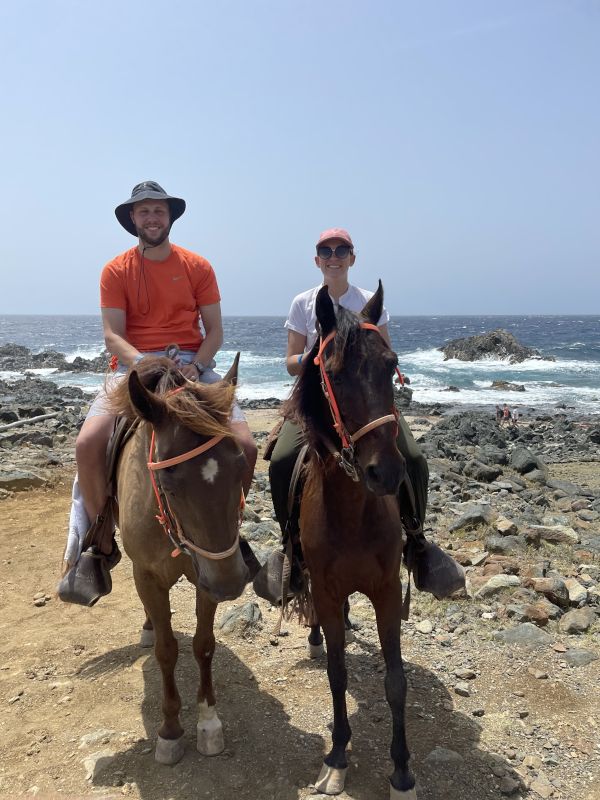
267,583
434,570
89,579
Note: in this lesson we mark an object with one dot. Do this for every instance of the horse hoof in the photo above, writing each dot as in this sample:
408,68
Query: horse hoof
147,638
411,794
331,780
315,650
210,741
169,751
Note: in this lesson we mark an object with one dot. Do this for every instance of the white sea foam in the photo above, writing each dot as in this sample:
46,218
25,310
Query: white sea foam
84,352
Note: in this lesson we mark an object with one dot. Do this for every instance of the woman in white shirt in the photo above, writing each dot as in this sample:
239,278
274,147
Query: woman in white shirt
434,570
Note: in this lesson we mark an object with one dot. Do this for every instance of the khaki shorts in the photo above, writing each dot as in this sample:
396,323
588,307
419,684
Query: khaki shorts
100,407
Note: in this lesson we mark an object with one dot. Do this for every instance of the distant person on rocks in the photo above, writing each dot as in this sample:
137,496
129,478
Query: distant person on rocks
151,296
515,417
506,415
434,570
499,414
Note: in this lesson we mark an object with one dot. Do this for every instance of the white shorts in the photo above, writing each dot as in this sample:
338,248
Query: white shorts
99,406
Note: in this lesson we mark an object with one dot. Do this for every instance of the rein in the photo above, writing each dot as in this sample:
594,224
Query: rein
346,457
171,525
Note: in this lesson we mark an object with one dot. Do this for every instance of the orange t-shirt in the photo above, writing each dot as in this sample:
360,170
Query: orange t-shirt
161,301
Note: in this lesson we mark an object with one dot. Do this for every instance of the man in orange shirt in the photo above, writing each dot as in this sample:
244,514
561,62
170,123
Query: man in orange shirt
153,295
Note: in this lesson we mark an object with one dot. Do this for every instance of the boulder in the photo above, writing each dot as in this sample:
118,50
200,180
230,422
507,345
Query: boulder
496,344
577,621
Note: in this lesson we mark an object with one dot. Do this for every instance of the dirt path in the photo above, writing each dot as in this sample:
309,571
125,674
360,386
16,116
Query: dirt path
68,672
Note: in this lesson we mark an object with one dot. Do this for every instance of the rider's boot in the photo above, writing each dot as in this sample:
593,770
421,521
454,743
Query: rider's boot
281,573
433,570
89,578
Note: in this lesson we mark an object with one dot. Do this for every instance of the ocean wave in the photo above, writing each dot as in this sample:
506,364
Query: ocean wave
89,353
433,360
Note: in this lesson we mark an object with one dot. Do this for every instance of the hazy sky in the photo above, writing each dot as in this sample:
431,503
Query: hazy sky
457,140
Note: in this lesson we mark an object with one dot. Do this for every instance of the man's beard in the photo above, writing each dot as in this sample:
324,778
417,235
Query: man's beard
151,240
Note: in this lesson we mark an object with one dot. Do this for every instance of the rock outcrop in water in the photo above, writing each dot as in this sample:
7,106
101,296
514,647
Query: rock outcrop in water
15,357
495,344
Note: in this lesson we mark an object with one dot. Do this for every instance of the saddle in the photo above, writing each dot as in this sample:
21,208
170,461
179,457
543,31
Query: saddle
89,578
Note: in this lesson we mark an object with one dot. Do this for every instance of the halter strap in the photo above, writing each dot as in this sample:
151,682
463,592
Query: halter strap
167,518
348,439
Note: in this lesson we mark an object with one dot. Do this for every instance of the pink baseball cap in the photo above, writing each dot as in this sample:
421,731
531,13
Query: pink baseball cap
335,233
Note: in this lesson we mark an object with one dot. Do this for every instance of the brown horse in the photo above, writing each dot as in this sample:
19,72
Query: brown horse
184,466
351,532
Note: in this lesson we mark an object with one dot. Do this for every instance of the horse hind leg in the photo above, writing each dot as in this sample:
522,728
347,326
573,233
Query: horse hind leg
315,639
315,642
147,637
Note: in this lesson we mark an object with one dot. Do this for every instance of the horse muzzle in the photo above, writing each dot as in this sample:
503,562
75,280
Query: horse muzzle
221,580
383,477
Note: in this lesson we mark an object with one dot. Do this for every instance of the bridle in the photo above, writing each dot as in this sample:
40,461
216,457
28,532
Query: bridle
345,457
167,518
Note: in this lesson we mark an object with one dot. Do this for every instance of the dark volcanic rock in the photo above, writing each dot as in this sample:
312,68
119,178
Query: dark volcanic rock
498,344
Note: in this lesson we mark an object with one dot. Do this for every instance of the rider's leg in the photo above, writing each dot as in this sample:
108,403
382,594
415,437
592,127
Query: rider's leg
290,441
90,452
434,570
268,582
243,434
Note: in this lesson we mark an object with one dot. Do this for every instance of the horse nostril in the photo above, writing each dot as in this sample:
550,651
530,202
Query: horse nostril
373,475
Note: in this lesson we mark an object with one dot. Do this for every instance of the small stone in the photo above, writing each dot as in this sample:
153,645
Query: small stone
508,785
538,674
465,674
39,595
541,788
533,762
577,621
478,712
577,592
524,634
424,626
462,689
442,755
580,658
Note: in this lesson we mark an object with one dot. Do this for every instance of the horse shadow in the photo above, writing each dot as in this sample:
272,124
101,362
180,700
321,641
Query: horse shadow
447,756
270,758
265,755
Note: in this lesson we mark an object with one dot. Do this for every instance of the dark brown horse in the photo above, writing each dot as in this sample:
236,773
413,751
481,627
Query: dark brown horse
183,465
351,533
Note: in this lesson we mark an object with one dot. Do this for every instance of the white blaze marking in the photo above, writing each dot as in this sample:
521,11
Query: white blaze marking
210,470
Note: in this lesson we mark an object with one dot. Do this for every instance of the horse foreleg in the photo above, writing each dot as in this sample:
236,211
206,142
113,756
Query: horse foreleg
333,774
387,610
210,740
169,746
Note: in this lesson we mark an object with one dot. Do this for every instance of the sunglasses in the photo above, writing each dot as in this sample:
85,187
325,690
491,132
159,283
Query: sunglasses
341,251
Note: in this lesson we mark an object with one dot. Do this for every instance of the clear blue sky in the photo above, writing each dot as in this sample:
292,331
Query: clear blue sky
457,140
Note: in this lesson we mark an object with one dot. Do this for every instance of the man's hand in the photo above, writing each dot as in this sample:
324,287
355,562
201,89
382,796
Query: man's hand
189,371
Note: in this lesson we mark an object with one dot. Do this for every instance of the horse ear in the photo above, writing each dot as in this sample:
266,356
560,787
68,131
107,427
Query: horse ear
146,404
374,308
325,311
232,372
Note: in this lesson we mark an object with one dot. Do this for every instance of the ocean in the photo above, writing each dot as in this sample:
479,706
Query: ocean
573,379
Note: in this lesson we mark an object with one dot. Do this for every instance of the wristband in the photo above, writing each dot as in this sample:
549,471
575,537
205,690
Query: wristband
200,368
300,357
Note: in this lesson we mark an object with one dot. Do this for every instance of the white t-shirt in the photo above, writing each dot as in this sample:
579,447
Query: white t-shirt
303,319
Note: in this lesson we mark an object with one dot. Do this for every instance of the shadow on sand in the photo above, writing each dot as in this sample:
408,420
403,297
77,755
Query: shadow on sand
268,758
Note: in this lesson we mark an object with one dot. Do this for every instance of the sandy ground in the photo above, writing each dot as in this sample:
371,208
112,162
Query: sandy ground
67,672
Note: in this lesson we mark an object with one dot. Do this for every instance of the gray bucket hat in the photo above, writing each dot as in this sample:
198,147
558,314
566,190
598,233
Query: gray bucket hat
147,190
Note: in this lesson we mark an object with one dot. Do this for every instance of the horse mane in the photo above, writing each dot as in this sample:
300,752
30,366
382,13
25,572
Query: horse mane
306,404
203,408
